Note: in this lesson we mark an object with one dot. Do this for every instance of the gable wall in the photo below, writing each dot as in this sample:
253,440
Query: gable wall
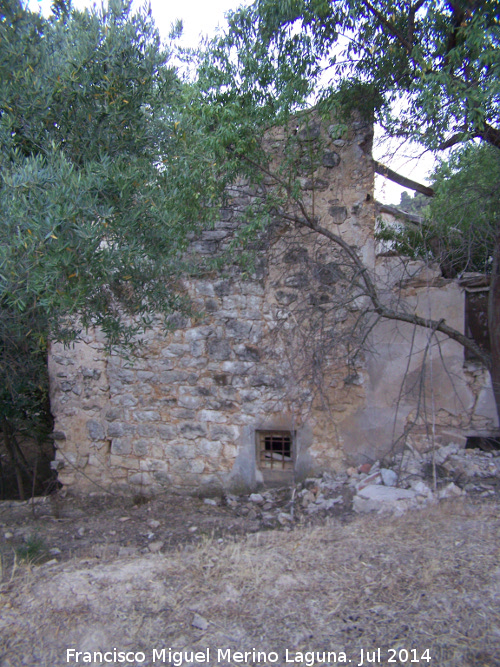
183,414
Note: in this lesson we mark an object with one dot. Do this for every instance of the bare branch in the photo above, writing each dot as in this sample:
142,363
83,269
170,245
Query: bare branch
369,288
402,180
399,213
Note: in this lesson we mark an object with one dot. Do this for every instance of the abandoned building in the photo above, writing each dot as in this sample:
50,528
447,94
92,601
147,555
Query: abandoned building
284,372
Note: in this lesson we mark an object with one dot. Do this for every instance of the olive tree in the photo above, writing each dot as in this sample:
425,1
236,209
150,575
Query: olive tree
100,184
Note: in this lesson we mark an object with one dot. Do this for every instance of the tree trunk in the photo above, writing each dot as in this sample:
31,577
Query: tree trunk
494,324
8,438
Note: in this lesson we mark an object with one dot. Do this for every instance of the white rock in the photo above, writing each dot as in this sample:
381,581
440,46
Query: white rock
377,498
256,498
451,490
328,504
441,454
389,477
199,622
421,488
385,494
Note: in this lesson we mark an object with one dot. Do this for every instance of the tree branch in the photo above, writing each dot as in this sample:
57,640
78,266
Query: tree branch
491,135
369,286
452,141
411,20
400,214
408,46
402,180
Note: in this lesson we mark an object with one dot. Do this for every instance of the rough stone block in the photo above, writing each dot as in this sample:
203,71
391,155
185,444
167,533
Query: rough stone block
116,430
330,159
167,431
146,430
249,395
198,333
338,214
212,416
183,451
95,430
234,302
125,400
252,288
230,451
113,414
219,349
238,328
210,448
204,288
141,479
121,446
247,352
285,298
146,375
90,373
125,375
153,465
236,367
191,402
141,447
266,380
223,288
196,466
175,350
197,348
171,377
193,430
147,415
223,433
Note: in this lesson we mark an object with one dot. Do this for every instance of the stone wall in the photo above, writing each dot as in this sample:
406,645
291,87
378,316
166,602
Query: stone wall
270,351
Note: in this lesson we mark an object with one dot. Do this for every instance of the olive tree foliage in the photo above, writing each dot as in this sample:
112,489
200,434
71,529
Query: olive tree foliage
99,185
97,193
426,70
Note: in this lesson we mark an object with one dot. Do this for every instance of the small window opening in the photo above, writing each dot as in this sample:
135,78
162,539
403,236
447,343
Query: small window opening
484,443
275,450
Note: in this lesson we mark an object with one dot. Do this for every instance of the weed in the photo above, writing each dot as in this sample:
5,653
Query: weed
34,550
140,499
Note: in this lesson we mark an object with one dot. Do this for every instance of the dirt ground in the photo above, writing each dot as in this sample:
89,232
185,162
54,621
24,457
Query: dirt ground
105,574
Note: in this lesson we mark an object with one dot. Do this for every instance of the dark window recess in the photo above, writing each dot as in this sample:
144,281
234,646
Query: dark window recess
275,450
476,321
487,444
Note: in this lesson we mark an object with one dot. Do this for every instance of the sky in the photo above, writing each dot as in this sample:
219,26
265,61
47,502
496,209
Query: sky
199,17
204,17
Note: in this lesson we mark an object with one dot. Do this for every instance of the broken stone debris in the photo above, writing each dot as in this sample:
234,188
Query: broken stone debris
410,481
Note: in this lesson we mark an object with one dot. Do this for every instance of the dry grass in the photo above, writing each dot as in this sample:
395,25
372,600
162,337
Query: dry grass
426,580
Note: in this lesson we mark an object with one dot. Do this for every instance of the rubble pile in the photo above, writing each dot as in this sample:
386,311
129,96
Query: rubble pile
410,480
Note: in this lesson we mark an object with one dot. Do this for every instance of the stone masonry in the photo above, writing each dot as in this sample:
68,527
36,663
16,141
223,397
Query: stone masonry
270,352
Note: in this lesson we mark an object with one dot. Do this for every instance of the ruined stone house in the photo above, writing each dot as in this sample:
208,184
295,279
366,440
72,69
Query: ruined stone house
280,376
